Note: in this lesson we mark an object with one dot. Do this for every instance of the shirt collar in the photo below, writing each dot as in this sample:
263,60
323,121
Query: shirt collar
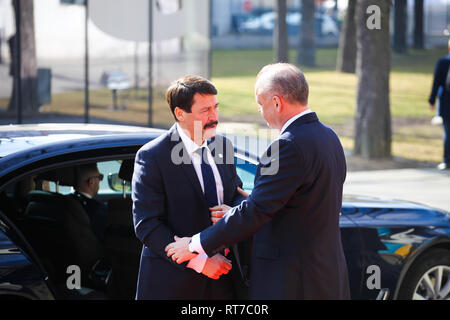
287,123
189,144
87,195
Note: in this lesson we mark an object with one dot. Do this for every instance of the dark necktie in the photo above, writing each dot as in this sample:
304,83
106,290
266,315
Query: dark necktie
209,183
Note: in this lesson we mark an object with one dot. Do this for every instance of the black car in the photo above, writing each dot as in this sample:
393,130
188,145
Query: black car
48,250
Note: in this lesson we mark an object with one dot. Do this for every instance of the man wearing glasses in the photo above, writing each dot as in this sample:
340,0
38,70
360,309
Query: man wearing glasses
86,188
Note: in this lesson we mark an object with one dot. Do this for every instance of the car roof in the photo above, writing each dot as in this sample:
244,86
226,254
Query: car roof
18,138
23,144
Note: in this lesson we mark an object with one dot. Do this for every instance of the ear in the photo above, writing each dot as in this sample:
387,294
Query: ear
278,103
179,114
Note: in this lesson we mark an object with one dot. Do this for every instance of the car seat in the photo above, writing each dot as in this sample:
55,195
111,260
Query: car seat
59,229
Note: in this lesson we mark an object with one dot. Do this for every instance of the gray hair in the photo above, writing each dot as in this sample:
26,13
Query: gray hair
286,80
84,172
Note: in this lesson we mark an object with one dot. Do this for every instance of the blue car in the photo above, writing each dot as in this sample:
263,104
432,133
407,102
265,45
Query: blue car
48,250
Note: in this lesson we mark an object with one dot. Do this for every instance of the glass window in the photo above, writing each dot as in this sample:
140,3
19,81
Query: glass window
246,171
111,183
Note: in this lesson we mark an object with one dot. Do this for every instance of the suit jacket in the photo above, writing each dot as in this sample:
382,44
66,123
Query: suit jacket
96,211
167,201
293,211
440,76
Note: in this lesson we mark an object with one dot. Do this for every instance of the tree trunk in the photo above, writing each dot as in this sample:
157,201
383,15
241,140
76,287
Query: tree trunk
418,25
346,60
28,70
373,118
280,36
400,26
306,45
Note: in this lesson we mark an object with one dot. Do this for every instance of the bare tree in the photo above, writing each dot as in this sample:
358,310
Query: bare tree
400,21
28,64
418,25
280,36
346,59
306,44
373,117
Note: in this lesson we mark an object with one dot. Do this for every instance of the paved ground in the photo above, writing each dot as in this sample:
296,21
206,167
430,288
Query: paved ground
423,185
396,178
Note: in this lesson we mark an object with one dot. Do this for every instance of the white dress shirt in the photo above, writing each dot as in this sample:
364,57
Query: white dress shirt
87,195
195,244
191,147
287,123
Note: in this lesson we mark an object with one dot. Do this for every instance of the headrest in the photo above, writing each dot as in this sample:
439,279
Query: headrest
44,196
126,170
65,176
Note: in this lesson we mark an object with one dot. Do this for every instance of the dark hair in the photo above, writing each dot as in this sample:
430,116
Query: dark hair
181,92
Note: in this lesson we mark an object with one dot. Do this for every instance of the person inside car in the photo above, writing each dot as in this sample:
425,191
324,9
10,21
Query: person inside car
87,184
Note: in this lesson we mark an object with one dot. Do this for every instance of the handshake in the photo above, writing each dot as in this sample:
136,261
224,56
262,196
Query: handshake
217,265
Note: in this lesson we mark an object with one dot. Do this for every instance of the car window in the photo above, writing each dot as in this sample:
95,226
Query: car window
112,184
246,171
110,169
107,186
61,189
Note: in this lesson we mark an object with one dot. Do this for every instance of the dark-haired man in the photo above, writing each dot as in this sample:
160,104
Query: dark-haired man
177,178
295,203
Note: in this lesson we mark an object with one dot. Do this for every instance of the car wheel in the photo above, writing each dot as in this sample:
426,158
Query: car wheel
428,278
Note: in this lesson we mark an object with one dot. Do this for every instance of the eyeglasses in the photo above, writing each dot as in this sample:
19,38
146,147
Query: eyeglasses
100,177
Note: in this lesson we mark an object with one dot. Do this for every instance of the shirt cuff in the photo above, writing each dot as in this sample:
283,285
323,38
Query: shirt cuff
196,245
198,263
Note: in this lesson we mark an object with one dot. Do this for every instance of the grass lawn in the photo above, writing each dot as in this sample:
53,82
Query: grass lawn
332,96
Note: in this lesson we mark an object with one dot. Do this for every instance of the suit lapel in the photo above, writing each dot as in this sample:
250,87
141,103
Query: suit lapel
184,161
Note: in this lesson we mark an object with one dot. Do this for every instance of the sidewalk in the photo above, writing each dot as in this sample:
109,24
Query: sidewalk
427,186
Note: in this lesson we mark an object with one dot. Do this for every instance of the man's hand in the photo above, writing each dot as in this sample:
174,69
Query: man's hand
179,250
242,192
432,107
218,212
216,266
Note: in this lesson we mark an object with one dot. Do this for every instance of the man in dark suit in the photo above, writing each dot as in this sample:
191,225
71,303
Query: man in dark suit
86,188
439,89
177,179
294,207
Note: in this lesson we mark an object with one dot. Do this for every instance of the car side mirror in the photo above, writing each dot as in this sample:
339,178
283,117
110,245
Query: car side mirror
118,184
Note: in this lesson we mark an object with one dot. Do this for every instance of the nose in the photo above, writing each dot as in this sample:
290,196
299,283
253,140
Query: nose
213,113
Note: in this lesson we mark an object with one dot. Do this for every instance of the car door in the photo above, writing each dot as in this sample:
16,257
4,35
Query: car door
352,244
21,275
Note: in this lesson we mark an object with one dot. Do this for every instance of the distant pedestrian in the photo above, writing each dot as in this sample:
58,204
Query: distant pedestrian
440,90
